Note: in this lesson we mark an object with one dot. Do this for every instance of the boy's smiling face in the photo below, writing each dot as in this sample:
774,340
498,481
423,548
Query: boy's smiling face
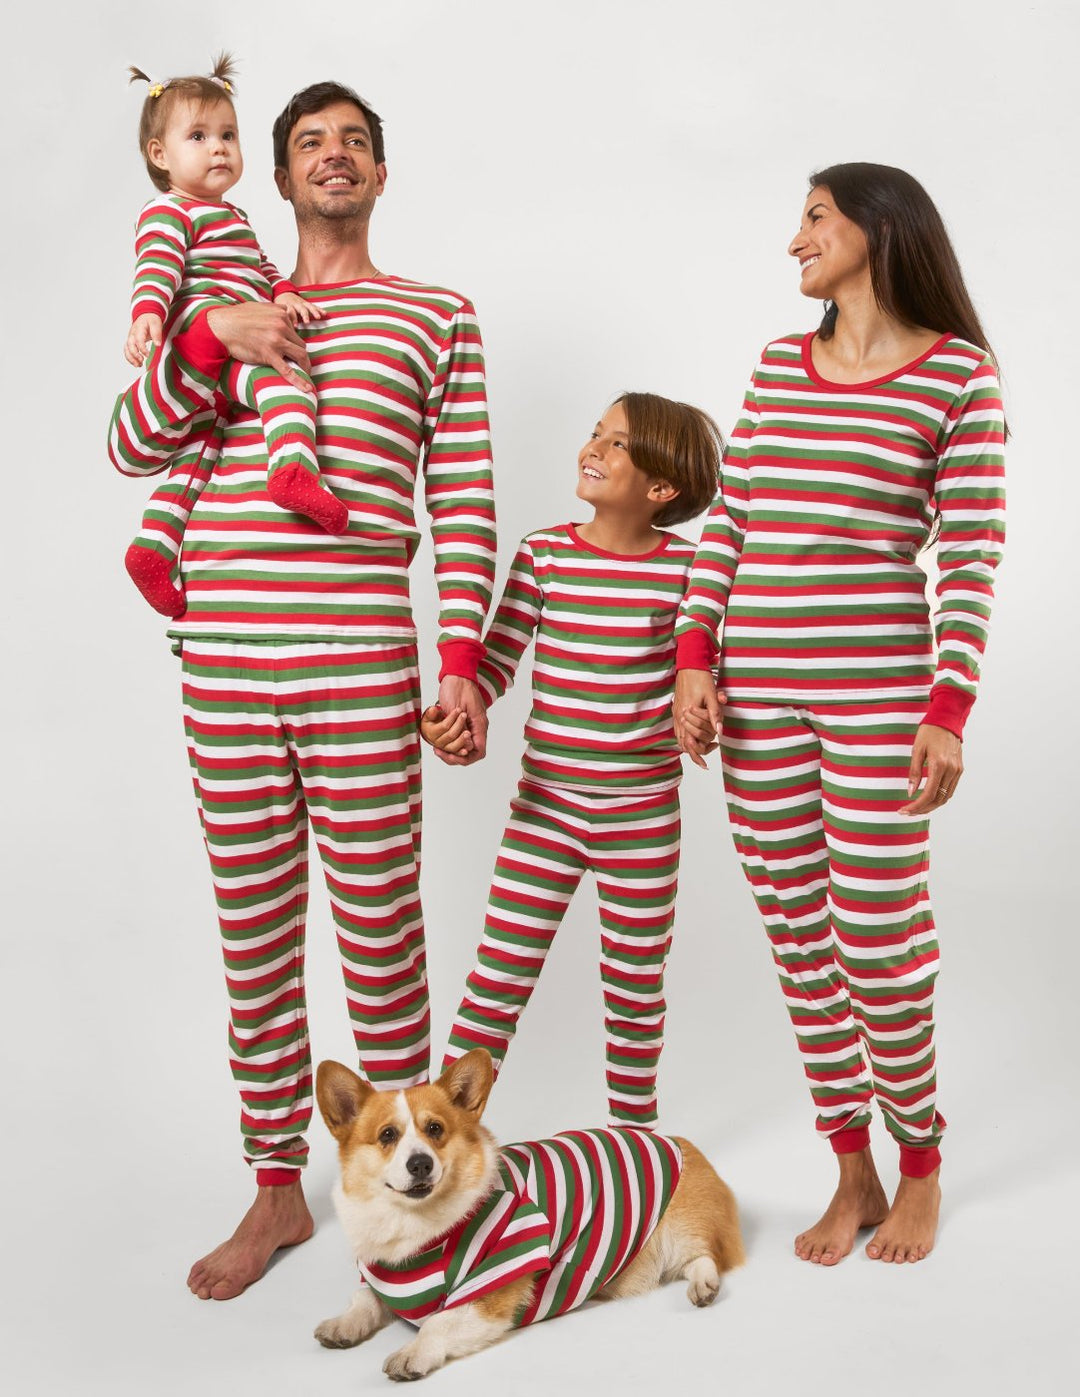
608,478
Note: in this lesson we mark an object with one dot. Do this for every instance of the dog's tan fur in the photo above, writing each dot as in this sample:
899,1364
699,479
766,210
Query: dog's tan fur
697,1239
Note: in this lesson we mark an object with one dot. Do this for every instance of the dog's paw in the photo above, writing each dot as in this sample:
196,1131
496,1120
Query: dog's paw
704,1281
408,1364
343,1331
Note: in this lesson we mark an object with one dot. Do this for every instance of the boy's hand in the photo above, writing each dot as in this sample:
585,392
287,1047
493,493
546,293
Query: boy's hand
699,734
143,328
448,733
297,309
696,695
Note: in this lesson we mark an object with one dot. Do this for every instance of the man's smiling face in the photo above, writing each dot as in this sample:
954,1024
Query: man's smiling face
331,172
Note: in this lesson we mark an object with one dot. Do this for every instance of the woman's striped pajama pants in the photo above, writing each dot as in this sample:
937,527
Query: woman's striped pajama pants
840,879
281,735
555,835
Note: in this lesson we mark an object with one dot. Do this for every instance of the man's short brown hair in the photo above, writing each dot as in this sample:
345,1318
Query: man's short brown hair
317,98
678,443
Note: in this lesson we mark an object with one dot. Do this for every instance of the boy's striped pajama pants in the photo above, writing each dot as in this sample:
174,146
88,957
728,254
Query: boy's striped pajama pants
840,879
555,835
281,735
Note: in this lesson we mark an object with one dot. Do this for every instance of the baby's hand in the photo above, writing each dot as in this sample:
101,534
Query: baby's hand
447,732
297,309
143,328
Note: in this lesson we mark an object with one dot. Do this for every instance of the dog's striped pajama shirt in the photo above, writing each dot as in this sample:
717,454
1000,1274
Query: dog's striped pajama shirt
572,1212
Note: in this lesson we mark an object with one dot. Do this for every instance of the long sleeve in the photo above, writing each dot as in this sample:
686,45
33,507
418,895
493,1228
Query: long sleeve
162,237
512,627
970,494
459,494
713,571
278,283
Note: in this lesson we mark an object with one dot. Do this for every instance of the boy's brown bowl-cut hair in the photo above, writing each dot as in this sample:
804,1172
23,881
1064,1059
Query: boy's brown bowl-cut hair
678,443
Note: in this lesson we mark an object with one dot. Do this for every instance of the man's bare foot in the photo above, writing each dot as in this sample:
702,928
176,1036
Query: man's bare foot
907,1234
279,1217
859,1201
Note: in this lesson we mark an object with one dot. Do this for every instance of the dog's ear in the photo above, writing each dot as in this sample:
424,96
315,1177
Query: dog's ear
467,1082
341,1095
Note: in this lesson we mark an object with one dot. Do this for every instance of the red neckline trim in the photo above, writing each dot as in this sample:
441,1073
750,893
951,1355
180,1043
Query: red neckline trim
811,372
572,529
353,281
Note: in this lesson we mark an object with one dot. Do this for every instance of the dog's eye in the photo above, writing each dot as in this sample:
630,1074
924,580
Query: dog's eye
434,1129
387,1136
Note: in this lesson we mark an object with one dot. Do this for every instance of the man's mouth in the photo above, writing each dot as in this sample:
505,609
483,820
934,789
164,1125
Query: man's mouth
336,182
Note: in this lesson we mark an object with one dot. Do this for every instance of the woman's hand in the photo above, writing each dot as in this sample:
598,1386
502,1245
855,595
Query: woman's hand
698,710
936,754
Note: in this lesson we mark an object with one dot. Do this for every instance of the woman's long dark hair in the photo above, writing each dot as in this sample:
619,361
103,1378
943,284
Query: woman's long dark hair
913,268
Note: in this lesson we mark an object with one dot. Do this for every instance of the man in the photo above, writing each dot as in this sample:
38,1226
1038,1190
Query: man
299,653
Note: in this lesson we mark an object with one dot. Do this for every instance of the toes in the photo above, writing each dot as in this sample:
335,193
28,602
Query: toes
829,1257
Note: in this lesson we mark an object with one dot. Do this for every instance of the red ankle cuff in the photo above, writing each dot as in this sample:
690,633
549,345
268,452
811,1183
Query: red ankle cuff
850,1141
917,1161
276,1178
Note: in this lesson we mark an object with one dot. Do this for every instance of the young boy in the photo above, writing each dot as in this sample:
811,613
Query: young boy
601,769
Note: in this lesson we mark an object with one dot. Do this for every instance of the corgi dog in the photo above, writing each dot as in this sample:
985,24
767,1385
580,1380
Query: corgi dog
469,1241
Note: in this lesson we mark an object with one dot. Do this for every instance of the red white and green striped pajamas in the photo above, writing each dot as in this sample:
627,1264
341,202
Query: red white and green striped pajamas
572,1212
300,684
190,257
809,563
599,792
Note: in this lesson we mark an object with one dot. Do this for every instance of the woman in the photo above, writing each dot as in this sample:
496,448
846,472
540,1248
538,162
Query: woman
840,731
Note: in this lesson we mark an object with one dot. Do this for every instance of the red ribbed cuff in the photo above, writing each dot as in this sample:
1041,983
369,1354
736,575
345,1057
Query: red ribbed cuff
283,288
695,649
949,708
460,659
917,1161
147,308
850,1141
200,347
276,1178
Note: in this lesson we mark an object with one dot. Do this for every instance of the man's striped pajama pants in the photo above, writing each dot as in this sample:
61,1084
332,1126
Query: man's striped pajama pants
554,836
840,879
281,735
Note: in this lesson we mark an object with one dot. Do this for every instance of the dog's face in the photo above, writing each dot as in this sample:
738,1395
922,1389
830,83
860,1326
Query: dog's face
412,1162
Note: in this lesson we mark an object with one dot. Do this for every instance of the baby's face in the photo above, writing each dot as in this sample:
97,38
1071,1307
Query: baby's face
200,149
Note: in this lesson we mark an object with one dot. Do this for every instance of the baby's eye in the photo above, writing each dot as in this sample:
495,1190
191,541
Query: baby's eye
197,136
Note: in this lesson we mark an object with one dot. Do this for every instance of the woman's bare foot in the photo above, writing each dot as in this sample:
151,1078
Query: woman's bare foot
279,1217
907,1234
859,1201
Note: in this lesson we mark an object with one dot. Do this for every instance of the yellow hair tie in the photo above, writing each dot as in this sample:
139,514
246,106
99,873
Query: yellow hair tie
226,84
157,89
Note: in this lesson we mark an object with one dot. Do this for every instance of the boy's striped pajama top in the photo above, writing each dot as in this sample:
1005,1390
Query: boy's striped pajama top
301,687
599,791
808,566
571,1212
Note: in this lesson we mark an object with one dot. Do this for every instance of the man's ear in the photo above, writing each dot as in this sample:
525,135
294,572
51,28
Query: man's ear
281,179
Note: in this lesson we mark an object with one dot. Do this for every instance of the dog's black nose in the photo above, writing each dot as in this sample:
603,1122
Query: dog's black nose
419,1167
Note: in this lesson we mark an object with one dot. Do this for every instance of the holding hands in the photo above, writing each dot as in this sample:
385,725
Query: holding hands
456,726
698,708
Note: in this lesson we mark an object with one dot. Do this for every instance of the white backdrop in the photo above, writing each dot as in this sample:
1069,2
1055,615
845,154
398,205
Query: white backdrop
614,185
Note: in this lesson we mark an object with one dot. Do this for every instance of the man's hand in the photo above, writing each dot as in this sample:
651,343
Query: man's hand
698,710
463,695
938,754
145,329
257,333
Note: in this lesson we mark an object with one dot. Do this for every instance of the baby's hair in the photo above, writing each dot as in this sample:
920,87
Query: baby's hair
678,443
218,86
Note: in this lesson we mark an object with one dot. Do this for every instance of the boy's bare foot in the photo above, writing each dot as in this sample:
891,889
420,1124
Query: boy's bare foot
279,1217
859,1201
907,1234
